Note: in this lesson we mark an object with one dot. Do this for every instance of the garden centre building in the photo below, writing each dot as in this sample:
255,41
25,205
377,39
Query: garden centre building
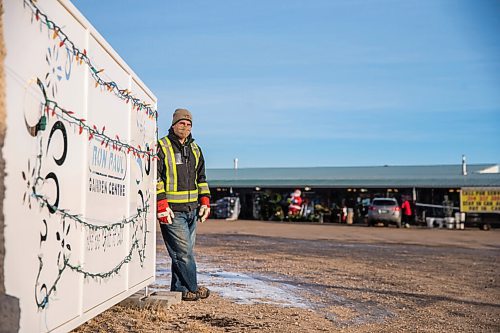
428,187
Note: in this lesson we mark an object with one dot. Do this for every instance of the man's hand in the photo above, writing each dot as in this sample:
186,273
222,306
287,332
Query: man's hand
203,213
164,213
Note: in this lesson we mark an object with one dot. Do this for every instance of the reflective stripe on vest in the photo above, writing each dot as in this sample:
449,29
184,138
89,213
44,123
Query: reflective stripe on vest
182,196
170,184
196,152
203,188
170,169
160,187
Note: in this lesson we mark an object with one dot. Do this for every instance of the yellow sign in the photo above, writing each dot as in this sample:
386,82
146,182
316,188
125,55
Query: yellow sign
480,200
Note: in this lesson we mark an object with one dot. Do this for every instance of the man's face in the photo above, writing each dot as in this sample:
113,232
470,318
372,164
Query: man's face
182,129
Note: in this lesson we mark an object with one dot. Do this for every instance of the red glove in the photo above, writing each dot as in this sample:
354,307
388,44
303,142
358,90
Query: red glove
205,201
164,213
204,211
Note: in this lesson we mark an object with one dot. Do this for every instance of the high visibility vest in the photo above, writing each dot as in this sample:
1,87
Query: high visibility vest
169,187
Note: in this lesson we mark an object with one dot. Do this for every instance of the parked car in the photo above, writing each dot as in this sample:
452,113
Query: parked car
227,208
385,210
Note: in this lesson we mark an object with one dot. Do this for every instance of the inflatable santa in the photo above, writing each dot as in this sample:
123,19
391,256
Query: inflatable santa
295,203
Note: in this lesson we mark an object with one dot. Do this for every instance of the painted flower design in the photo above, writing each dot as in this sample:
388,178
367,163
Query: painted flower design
56,71
62,237
29,178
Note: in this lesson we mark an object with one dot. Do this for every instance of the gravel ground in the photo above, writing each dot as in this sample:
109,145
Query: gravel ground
330,278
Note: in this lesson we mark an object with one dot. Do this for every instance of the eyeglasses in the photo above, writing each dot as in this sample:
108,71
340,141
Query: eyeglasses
184,123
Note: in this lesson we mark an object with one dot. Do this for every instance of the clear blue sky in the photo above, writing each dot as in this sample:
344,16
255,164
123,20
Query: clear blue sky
282,83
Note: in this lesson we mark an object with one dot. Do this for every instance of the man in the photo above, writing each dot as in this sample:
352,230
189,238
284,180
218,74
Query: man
183,199
406,208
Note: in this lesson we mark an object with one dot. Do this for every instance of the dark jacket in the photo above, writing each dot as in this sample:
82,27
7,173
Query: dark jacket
188,175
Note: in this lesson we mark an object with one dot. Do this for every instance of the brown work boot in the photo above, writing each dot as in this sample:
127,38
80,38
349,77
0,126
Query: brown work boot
203,292
190,296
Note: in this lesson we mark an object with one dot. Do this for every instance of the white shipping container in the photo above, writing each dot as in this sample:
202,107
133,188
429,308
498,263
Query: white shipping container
80,179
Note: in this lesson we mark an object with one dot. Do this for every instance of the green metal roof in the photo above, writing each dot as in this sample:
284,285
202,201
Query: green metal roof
373,176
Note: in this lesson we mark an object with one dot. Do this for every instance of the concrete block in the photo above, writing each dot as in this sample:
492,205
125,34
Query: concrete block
152,300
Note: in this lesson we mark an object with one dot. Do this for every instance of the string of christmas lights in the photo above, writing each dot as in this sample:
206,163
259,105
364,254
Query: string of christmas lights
77,218
51,108
86,274
81,57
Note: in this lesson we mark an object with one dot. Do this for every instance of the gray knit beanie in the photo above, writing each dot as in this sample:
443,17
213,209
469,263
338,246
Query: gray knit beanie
181,114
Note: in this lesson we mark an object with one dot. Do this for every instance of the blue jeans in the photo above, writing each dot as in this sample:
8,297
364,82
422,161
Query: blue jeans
179,237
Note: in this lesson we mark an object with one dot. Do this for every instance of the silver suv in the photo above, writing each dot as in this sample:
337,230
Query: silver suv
385,210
